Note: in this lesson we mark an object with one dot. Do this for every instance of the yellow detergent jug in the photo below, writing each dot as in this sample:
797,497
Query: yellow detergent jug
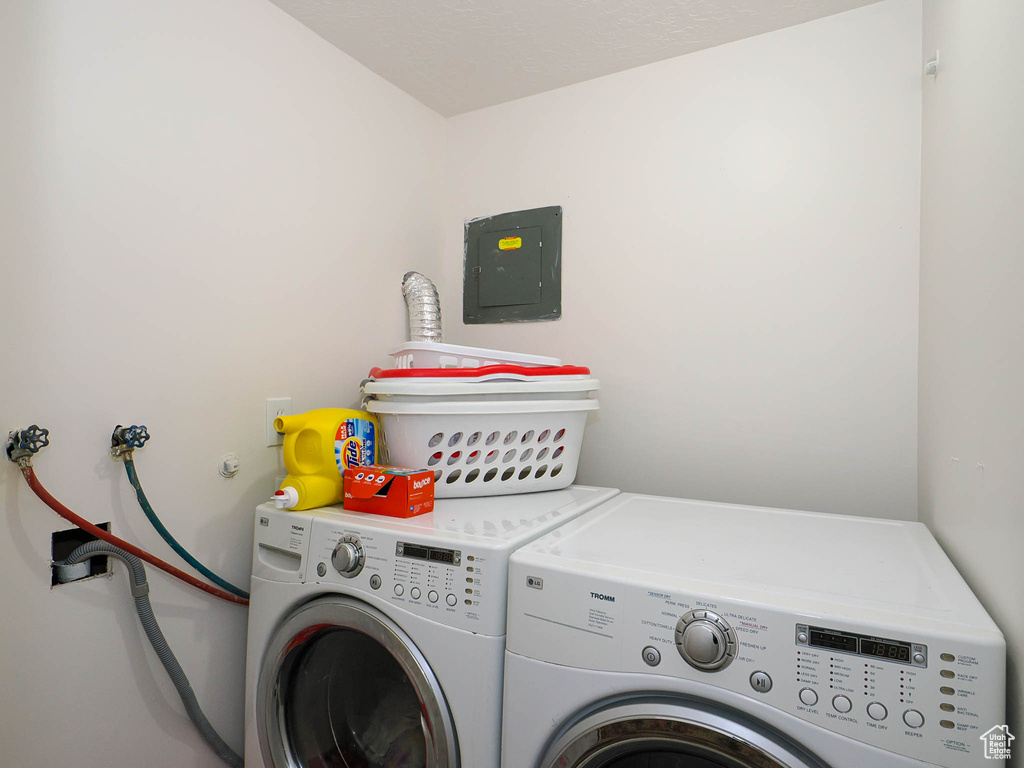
318,446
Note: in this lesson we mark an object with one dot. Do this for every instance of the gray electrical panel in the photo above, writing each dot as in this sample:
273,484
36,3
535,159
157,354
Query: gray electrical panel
513,267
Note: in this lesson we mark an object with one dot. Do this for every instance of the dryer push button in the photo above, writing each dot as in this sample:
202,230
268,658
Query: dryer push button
877,711
913,718
808,697
761,682
841,704
652,656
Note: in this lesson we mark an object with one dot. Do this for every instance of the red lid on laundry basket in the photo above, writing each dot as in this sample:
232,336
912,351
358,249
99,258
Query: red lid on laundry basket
486,372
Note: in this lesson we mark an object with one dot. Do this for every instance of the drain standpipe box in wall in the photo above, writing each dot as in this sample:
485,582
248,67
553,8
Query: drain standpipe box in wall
392,491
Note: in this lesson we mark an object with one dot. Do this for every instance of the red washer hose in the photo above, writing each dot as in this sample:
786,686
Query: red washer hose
99,533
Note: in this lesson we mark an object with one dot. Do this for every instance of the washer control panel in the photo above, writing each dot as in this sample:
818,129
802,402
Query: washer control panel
445,583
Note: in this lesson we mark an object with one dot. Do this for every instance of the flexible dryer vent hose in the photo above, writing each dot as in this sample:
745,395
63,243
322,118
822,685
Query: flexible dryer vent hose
140,591
424,307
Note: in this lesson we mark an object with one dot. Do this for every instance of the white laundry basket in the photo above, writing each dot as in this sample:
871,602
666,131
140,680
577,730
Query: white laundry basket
486,448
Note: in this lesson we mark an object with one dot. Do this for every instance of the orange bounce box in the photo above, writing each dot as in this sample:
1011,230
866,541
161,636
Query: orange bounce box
392,491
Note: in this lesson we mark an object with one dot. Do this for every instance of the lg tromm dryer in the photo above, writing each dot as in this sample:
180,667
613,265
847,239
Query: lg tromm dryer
376,641
662,633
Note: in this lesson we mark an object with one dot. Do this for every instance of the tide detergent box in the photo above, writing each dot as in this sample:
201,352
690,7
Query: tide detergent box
392,491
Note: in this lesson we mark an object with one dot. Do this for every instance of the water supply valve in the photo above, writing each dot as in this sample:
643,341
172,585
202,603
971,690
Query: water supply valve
127,439
22,443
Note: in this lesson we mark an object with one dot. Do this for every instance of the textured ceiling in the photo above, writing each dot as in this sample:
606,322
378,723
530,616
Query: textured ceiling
459,55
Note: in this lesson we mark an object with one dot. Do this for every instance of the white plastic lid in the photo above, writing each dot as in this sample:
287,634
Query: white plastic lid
467,357
492,407
286,498
429,387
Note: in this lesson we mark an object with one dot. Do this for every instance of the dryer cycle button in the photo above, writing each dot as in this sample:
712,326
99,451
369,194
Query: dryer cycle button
808,697
652,656
841,704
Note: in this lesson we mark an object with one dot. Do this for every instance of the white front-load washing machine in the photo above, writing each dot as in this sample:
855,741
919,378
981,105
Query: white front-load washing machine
378,642
662,633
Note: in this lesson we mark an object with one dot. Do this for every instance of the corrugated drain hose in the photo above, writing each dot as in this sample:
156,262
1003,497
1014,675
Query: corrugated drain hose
140,591
47,498
133,478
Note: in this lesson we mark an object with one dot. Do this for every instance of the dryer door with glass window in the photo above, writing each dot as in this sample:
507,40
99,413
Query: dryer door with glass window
342,685
665,732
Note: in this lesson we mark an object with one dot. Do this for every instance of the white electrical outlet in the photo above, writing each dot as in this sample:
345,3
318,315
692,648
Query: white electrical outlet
277,406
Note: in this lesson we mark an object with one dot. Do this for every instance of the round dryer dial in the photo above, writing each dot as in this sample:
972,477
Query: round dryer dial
348,557
705,640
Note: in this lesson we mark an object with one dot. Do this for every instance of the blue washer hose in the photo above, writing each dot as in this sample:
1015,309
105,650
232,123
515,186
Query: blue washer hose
133,478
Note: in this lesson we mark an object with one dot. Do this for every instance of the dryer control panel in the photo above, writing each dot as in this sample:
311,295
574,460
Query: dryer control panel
928,693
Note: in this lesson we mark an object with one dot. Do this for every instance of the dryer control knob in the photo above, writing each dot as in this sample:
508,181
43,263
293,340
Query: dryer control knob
348,557
705,640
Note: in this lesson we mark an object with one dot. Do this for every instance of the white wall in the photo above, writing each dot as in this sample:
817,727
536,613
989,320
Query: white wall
972,317
202,204
741,239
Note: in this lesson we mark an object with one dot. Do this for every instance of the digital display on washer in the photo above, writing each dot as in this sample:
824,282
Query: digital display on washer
433,554
862,645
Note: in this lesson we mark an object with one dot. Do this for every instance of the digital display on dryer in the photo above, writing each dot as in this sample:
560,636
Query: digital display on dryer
885,649
915,654
834,641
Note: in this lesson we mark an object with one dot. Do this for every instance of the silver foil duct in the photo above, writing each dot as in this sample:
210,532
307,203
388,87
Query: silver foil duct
424,307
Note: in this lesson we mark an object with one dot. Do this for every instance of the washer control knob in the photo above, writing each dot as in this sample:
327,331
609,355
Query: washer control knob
652,656
808,697
432,596
348,557
877,711
913,718
705,640
841,704
451,600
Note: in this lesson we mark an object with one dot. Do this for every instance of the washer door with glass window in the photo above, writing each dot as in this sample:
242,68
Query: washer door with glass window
341,685
661,732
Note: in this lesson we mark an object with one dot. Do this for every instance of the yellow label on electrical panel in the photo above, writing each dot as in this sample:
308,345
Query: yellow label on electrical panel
510,243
